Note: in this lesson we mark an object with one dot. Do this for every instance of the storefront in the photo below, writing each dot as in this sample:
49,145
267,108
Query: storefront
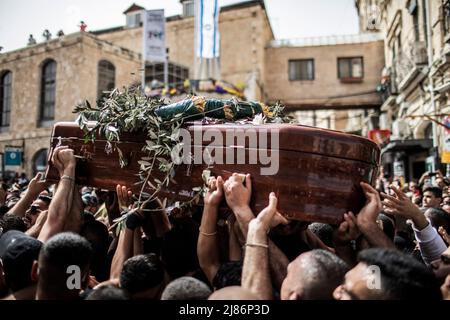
408,158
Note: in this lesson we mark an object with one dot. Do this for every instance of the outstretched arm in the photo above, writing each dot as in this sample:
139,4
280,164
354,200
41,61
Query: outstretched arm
342,237
367,219
60,207
124,248
207,245
35,187
238,199
430,242
255,272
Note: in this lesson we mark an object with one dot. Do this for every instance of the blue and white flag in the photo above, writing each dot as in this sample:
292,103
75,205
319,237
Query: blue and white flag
154,36
207,28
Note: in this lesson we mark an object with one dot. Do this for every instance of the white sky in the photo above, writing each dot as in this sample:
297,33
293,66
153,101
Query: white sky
289,18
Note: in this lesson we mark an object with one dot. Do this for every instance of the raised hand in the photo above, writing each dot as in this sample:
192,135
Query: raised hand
369,213
63,158
347,230
399,204
269,216
444,234
124,196
37,185
215,192
237,194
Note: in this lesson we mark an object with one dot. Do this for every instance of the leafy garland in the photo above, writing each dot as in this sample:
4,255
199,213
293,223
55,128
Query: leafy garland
131,111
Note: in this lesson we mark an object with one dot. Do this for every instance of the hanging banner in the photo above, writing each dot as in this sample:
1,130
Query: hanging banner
207,28
445,158
154,36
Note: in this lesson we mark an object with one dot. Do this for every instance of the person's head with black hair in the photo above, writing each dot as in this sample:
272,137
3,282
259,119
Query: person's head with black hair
438,217
432,197
37,207
143,276
18,251
12,222
186,288
229,274
108,292
313,275
97,234
180,244
388,274
323,231
64,259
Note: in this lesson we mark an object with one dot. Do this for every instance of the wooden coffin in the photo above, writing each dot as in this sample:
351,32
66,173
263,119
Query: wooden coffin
318,174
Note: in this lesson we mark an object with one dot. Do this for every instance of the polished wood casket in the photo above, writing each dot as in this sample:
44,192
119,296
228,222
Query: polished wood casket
314,172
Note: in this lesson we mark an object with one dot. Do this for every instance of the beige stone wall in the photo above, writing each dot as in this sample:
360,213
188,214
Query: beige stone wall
244,33
76,57
326,83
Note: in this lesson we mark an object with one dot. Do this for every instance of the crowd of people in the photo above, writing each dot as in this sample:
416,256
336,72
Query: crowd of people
72,242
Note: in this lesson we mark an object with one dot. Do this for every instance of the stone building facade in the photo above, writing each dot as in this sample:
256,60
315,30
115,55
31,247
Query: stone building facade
83,64
325,87
412,79
76,58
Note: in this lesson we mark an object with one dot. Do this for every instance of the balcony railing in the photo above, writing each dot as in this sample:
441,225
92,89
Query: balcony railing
412,57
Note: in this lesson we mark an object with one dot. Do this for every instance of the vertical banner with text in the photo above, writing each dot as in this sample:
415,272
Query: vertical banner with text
154,36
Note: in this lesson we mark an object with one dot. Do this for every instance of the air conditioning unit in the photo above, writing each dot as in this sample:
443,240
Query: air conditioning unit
400,129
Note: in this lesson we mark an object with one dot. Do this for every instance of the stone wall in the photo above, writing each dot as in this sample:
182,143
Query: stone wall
326,83
76,58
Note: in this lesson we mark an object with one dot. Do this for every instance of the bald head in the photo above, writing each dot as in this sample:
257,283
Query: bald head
313,275
233,293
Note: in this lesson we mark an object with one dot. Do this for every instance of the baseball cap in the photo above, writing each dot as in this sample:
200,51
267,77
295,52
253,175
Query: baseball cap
18,251
16,245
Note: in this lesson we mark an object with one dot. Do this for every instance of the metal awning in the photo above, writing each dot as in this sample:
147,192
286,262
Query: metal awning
414,145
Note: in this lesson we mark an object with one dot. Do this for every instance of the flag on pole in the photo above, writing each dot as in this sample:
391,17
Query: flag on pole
154,36
207,28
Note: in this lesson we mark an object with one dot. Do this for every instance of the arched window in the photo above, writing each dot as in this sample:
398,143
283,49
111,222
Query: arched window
5,99
40,161
48,88
106,77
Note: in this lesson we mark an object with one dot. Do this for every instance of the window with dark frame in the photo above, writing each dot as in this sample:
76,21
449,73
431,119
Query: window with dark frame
40,161
106,78
350,69
5,99
176,76
48,89
301,69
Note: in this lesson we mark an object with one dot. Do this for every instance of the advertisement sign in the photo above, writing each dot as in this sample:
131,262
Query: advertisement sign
446,149
13,156
380,137
154,36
